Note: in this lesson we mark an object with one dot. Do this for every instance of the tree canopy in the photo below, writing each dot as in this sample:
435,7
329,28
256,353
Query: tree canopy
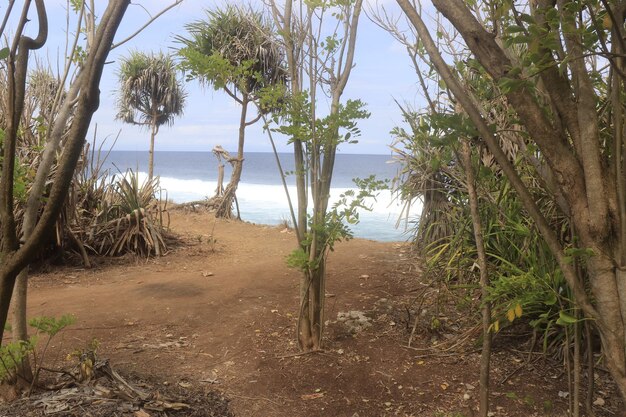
150,91
234,49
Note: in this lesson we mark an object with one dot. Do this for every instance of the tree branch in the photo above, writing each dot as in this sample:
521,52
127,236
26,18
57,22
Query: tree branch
7,14
148,23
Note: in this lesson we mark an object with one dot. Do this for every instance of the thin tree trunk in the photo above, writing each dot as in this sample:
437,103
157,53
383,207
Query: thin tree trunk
284,181
33,205
17,73
577,376
305,336
567,363
20,322
591,379
19,326
316,314
219,191
292,48
153,132
225,209
485,357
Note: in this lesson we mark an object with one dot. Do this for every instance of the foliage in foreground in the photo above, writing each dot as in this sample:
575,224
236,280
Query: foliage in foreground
13,354
525,278
545,119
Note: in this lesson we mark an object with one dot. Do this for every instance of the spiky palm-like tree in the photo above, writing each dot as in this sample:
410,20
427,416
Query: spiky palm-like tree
234,49
150,94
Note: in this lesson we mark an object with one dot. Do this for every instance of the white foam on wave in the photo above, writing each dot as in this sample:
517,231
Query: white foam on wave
267,204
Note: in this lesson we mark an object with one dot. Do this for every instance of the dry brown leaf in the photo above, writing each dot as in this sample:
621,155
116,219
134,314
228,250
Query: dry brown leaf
141,413
174,406
312,396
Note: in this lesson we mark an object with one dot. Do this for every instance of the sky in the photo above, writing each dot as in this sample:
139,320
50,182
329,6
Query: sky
383,72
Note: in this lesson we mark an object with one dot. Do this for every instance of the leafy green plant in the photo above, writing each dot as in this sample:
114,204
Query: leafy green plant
13,354
526,281
343,214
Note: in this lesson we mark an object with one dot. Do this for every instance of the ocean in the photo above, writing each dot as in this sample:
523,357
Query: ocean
190,176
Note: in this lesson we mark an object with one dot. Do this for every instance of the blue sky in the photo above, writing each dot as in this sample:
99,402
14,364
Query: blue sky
383,72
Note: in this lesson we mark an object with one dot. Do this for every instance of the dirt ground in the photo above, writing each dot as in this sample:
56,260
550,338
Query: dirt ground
219,312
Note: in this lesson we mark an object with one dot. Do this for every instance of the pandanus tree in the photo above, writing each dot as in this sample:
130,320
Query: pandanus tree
234,50
150,94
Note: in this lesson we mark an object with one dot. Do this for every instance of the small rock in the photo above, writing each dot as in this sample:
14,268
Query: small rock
599,402
355,321
563,394
466,396
470,387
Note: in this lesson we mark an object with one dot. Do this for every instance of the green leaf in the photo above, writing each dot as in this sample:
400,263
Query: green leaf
565,319
551,300
4,53
526,18
514,29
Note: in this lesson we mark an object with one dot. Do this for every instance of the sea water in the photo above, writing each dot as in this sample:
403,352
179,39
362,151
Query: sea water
191,176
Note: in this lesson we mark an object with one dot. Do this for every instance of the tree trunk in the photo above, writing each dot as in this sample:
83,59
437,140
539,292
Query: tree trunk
219,191
225,209
485,358
603,277
305,336
318,283
20,326
14,259
33,205
154,129
20,322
